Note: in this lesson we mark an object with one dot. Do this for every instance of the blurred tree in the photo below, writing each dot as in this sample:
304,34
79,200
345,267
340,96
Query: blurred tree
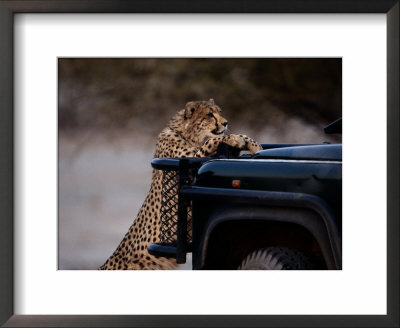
119,93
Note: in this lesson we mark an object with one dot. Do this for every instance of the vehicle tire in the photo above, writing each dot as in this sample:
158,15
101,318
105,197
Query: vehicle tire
276,258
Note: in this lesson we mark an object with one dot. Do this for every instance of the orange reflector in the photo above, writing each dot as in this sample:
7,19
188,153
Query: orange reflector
236,183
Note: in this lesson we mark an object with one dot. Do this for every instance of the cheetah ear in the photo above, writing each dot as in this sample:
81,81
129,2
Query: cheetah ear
189,109
211,101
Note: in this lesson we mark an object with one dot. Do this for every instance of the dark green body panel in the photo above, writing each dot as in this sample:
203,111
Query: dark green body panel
327,152
320,178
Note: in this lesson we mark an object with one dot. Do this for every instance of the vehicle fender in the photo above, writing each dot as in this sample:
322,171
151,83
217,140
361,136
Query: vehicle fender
328,241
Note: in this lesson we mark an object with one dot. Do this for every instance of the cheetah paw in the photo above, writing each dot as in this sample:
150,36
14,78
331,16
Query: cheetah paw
236,141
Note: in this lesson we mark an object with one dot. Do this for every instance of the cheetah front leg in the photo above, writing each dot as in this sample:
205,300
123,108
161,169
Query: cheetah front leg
238,141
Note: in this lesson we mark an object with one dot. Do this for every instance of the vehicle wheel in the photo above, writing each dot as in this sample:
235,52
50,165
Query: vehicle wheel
276,258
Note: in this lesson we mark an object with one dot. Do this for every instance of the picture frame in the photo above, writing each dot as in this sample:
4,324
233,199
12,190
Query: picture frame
10,7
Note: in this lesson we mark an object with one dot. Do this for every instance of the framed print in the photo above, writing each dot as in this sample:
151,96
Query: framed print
66,64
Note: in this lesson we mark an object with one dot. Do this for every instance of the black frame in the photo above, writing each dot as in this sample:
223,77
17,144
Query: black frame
7,10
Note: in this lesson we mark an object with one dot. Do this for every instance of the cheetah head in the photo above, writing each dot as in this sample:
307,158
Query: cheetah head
203,120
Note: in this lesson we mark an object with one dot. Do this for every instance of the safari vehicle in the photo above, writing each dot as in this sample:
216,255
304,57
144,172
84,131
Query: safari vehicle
280,209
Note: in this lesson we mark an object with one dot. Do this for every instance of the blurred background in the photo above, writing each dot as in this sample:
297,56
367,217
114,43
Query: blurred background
110,112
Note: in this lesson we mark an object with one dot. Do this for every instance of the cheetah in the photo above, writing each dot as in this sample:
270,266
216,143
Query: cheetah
195,131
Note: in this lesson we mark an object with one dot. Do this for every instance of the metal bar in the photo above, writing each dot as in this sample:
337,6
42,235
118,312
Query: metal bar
172,164
162,250
182,212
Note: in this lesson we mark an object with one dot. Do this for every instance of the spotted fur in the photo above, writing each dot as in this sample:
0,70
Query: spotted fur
195,131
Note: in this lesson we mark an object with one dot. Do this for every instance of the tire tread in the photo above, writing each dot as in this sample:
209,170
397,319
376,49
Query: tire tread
276,258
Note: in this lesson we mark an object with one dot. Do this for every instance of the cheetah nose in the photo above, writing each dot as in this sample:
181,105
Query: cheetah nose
225,123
